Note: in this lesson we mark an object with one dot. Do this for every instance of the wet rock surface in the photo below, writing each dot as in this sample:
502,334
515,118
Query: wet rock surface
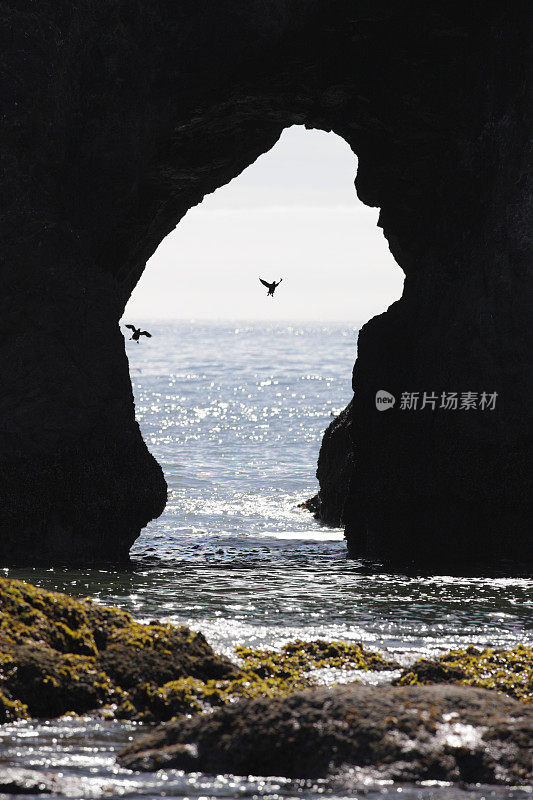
21,781
506,671
59,654
405,733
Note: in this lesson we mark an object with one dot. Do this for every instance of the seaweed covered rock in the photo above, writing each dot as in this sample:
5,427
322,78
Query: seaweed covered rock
59,654
507,671
403,733
271,673
427,670
11,709
301,656
49,683
263,673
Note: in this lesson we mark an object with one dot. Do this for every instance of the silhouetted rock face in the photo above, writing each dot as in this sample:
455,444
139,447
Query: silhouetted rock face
403,734
335,469
118,117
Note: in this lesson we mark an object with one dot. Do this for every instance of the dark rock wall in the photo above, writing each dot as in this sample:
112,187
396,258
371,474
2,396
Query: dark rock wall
336,468
435,486
119,116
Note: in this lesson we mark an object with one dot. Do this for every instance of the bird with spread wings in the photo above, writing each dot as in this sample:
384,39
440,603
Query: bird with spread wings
137,332
270,286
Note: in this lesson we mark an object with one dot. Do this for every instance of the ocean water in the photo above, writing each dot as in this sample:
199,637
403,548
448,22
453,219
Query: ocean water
234,412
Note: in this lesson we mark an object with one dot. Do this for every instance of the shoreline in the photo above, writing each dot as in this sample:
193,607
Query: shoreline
64,656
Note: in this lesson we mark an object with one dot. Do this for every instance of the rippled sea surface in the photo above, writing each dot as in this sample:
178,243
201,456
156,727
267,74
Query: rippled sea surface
235,413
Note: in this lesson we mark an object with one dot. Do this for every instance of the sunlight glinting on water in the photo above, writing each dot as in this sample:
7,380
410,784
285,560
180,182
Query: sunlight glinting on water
235,415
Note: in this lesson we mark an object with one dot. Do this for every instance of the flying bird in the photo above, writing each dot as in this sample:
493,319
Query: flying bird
270,286
137,332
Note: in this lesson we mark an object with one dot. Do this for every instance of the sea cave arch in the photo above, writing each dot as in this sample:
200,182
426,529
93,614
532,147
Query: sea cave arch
131,114
293,212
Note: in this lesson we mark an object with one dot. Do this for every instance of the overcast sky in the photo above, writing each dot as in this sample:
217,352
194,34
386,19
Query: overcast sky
294,215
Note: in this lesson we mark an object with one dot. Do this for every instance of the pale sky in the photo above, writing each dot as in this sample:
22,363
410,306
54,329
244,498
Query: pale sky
293,214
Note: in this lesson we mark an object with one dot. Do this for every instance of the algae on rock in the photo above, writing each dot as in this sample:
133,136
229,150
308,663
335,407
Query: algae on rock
509,672
60,654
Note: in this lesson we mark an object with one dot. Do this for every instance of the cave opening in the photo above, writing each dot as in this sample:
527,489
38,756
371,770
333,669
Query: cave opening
239,370
293,211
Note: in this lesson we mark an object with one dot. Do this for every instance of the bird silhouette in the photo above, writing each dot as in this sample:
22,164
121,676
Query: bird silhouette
137,332
270,286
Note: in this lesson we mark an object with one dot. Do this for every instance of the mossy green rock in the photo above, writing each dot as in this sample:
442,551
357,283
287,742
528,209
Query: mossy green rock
60,654
507,671
262,673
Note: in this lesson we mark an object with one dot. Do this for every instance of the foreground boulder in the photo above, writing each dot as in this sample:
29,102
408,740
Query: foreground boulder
412,733
60,654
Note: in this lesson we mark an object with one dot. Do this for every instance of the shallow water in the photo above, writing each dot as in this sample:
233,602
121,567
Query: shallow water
235,414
